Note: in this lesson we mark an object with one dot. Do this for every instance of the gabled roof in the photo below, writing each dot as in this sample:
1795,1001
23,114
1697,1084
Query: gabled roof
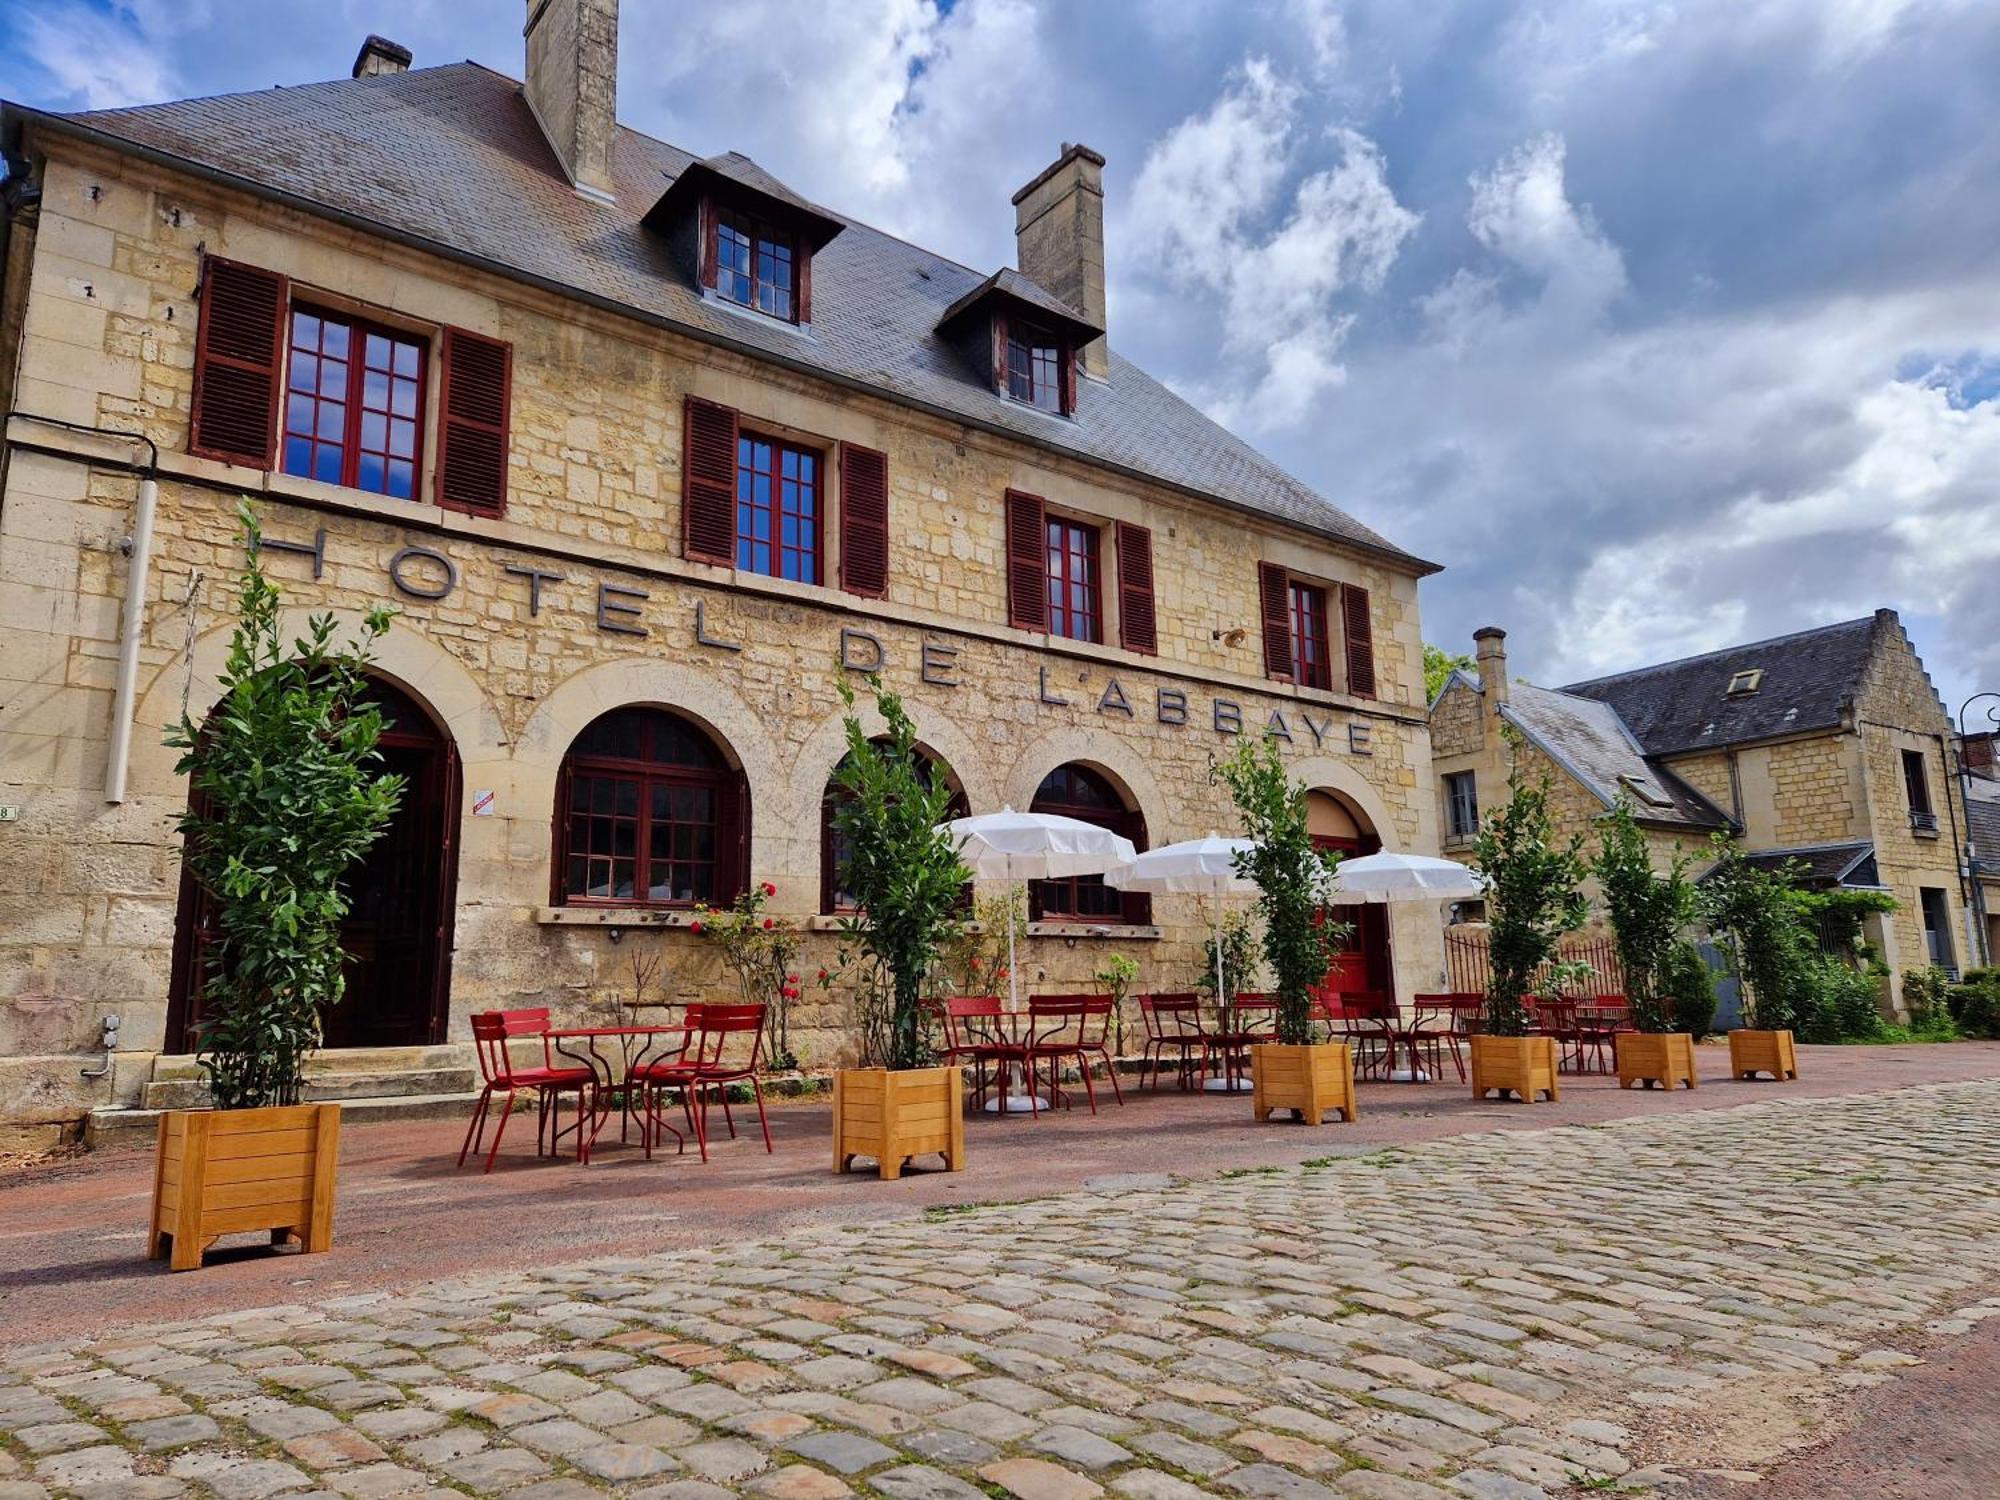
733,170
1007,290
451,159
1808,681
1982,828
1587,739
1850,864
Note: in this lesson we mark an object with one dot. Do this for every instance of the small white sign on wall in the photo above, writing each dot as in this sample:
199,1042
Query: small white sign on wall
482,804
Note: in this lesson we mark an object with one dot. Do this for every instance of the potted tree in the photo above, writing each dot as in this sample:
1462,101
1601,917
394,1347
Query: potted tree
1293,1072
287,794
905,874
1532,900
1752,909
1648,910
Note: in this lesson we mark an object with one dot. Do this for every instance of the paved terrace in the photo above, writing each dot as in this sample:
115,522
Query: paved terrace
1500,1313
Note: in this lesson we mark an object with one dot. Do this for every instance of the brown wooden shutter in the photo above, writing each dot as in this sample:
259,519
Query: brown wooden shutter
238,353
708,483
1138,626
1000,354
864,521
475,397
1358,629
1027,561
1274,596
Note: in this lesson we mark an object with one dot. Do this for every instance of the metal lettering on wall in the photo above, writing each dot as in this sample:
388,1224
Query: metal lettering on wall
429,575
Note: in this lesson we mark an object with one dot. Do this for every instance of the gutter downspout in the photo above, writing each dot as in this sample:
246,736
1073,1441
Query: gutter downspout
132,613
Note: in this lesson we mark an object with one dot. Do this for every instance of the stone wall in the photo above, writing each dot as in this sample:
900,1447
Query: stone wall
87,890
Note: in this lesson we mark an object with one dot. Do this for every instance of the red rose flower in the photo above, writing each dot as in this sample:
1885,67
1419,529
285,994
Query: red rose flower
769,924
975,963
695,928
769,889
822,975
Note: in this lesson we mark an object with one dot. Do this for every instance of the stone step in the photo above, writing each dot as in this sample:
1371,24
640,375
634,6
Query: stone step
111,1126
182,1092
350,1060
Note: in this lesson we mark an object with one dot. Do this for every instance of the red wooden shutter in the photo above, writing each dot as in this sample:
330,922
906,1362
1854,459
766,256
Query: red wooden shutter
238,352
864,521
708,483
1138,628
1358,628
1027,561
475,398
1274,595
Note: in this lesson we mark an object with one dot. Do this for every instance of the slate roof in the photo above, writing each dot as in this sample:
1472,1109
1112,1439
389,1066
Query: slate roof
1587,739
451,158
1982,821
1809,681
1010,285
1850,863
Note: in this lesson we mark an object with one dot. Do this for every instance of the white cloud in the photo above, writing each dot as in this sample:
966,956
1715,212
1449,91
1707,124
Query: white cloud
1521,211
100,60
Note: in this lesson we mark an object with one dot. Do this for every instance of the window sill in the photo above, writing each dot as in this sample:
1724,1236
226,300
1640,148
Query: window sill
614,916
1095,932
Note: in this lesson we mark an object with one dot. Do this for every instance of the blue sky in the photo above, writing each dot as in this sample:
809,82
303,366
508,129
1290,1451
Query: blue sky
1663,325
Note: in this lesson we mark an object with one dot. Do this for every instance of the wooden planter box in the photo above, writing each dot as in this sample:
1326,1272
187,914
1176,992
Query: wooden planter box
1308,1080
1649,1058
1754,1052
895,1116
1524,1066
237,1171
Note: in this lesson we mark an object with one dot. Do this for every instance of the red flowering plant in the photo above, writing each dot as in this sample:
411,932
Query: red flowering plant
763,953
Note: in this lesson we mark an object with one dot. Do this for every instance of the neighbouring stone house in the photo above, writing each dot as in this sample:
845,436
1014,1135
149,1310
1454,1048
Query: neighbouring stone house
645,449
1982,822
1829,749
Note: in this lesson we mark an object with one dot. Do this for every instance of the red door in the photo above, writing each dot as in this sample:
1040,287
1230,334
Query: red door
401,899
1362,966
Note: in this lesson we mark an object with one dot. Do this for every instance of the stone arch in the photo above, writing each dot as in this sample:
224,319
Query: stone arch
406,656
825,746
1323,773
1108,753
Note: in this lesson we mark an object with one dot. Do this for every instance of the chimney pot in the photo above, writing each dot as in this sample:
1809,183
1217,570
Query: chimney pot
1059,239
573,86
1489,652
379,55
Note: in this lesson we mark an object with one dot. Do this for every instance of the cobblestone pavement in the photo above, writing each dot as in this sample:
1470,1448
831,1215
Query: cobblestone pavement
1495,1316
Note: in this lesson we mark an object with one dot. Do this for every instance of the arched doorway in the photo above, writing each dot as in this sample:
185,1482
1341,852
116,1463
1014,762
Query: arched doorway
1363,965
401,897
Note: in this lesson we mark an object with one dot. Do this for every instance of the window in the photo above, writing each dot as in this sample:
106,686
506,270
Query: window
1076,601
835,900
1310,658
650,813
777,509
1916,785
1742,684
353,404
1937,927
1461,805
1035,364
754,265
1076,791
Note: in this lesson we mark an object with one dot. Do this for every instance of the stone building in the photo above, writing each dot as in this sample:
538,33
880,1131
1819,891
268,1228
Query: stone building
645,449
1829,749
1982,823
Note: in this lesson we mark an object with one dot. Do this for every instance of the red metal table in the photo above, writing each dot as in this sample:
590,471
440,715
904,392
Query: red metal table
611,1078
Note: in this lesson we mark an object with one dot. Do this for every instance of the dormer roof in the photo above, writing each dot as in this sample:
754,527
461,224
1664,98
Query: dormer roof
739,179
1008,291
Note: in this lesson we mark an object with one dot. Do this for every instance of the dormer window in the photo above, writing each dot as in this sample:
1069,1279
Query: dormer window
1743,684
755,265
1645,790
1037,367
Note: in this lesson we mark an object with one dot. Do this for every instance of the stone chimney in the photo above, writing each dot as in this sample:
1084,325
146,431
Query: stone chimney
1489,653
1059,239
573,86
379,55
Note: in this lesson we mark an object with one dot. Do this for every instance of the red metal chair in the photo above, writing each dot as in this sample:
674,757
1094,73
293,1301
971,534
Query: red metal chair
714,1056
975,1032
1173,1024
1066,1026
1598,1020
493,1033
1435,1028
1555,1017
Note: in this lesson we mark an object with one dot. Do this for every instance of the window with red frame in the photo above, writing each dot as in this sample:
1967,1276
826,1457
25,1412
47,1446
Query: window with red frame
834,897
1076,595
1311,661
755,265
650,814
1035,368
354,403
1076,791
777,509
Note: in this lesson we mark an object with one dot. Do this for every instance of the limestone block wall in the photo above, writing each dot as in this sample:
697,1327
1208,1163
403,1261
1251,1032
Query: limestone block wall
88,890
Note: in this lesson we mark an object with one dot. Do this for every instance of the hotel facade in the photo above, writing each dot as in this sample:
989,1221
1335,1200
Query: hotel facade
646,450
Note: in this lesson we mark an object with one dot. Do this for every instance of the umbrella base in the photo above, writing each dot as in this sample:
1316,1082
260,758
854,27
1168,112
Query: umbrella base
1016,1104
1226,1085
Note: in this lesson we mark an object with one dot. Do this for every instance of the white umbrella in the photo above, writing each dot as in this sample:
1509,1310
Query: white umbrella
1403,877
1015,846
1203,866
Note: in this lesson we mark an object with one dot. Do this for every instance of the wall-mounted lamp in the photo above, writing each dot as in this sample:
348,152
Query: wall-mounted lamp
1232,637
616,934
